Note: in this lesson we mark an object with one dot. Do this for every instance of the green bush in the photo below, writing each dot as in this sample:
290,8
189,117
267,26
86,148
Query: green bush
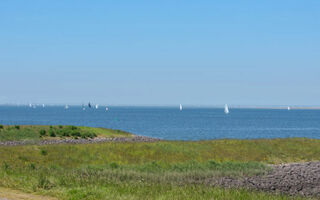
17,127
1,126
88,135
52,133
66,133
60,126
76,133
59,132
43,132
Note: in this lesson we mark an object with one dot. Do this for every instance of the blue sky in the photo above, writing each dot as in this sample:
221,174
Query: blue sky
160,52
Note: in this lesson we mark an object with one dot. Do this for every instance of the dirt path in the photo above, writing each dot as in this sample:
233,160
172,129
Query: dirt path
9,194
293,179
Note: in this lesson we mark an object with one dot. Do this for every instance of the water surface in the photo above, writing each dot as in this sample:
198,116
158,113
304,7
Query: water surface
170,123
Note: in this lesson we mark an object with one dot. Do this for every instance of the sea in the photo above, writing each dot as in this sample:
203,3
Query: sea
170,123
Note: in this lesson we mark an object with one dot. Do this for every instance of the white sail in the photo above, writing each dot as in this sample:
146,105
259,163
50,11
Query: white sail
30,105
226,109
43,105
97,106
67,106
289,108
180,107
107,108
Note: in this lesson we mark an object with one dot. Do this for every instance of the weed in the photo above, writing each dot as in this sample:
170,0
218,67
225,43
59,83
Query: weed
5,165
114,165
32,166
44,152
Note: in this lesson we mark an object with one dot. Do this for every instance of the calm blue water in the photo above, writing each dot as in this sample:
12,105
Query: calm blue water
171,124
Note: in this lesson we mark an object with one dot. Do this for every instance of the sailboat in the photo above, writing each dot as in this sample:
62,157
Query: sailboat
43,105
66,107
180,107
89,105
289,108
226,109
83,108
97,106
107,108
30,105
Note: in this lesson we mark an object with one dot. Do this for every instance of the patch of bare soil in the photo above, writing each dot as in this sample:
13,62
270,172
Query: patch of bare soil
8,194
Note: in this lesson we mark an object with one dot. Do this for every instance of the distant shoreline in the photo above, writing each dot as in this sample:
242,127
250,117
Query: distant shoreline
292,107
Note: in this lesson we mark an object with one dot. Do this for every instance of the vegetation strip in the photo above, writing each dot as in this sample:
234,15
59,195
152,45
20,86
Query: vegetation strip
157,170
58,132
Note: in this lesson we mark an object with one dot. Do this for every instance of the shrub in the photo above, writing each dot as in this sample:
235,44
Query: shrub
17,127
60,126
92,135
66,133
52,133
88,135
76,133
59,132
1,126
43,132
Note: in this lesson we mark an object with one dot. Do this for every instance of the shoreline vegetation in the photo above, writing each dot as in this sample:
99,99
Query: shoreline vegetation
150,170
45,132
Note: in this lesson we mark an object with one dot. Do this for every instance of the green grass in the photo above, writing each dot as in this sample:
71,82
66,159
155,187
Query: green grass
158,170
18,133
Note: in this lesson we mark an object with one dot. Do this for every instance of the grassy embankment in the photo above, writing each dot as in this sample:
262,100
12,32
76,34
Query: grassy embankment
29,132
159,170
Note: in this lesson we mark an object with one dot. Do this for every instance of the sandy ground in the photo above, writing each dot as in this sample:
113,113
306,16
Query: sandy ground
9,194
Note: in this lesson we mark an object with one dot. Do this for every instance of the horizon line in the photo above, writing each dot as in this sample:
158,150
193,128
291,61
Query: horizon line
175,105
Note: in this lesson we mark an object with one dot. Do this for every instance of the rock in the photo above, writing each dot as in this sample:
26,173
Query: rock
293,179
80,141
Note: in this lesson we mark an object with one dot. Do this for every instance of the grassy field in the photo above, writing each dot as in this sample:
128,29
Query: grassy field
157,170
28,132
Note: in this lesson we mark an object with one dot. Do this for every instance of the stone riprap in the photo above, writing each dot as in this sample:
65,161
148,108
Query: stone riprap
293,179
80,141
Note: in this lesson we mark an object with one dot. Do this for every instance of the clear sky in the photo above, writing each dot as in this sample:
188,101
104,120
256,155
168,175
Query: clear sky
160,52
